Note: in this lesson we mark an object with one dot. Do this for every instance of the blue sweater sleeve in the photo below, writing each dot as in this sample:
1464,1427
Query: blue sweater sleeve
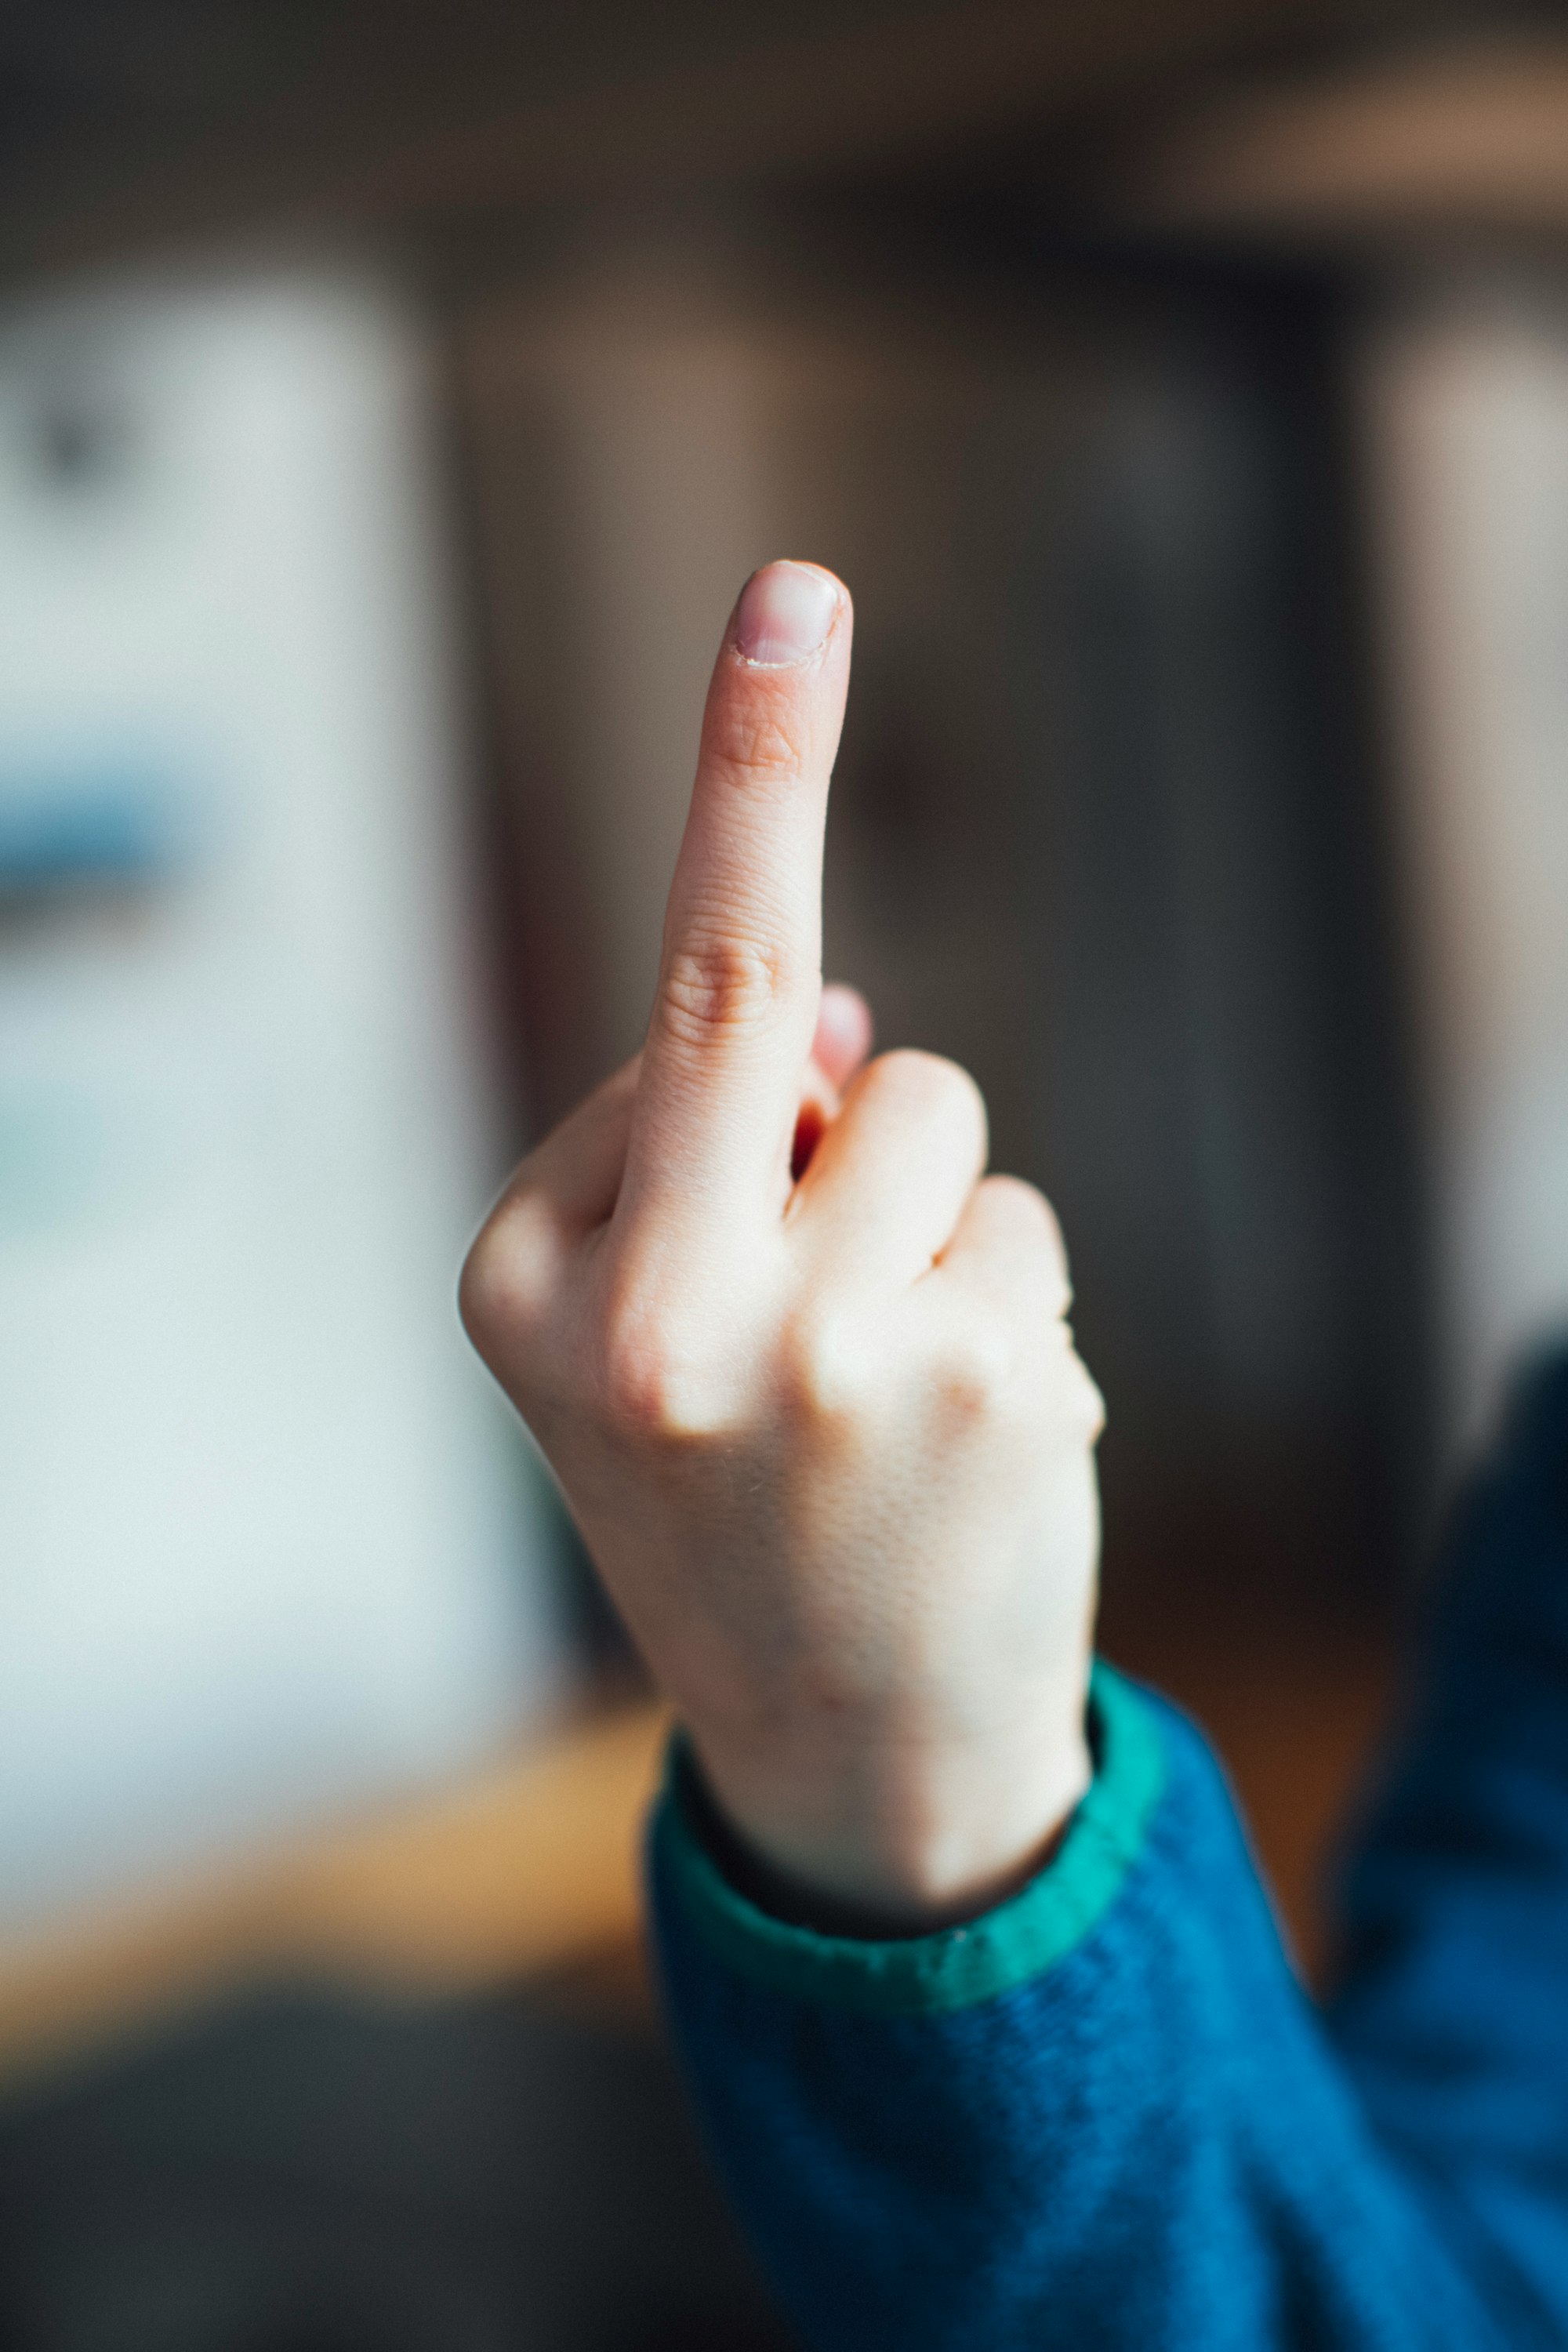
1106,2116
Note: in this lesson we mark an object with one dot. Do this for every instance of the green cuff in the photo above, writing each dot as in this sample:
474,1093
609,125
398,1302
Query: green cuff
920,1975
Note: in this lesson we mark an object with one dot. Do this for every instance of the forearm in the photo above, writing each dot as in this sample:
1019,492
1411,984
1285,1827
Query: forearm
1103,2116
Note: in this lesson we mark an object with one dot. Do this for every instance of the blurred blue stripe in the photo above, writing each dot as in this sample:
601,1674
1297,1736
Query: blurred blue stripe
94,828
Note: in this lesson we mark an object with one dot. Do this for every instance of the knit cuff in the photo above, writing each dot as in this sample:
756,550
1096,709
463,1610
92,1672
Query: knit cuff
921,1976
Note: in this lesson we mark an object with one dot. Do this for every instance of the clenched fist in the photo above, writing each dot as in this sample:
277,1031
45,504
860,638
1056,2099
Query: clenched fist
822,1425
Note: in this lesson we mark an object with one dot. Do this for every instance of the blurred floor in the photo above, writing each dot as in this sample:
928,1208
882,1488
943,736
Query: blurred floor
302,2172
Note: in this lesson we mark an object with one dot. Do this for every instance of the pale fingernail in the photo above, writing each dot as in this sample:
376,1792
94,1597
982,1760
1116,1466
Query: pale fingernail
785,613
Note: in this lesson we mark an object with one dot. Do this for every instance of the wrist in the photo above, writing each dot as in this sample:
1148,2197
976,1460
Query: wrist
897,1832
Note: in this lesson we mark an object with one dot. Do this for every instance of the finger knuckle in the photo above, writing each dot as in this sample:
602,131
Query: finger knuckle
635,1385
506,1281
825,1373
1025,1212
1088,1405
719,984
1023,1201
639,1385
927,1088
656,1385
977,1371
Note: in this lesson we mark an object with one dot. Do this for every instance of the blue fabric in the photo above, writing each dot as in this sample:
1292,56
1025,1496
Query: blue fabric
1157,2141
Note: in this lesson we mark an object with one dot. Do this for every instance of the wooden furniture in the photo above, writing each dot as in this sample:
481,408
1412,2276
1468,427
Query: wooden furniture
530,1872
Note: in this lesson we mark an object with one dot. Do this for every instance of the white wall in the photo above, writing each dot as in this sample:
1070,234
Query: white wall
264,1547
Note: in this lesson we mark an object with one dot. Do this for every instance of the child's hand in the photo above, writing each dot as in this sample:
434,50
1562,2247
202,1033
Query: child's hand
827,1440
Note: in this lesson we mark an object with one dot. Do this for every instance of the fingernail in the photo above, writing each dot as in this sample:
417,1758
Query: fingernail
785,613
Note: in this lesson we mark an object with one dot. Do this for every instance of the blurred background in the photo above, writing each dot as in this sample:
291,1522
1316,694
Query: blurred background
392,401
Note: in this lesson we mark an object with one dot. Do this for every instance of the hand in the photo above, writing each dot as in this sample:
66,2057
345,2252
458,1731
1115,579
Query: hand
827,1439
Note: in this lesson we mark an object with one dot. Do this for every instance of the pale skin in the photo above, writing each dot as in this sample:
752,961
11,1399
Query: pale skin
826,1435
